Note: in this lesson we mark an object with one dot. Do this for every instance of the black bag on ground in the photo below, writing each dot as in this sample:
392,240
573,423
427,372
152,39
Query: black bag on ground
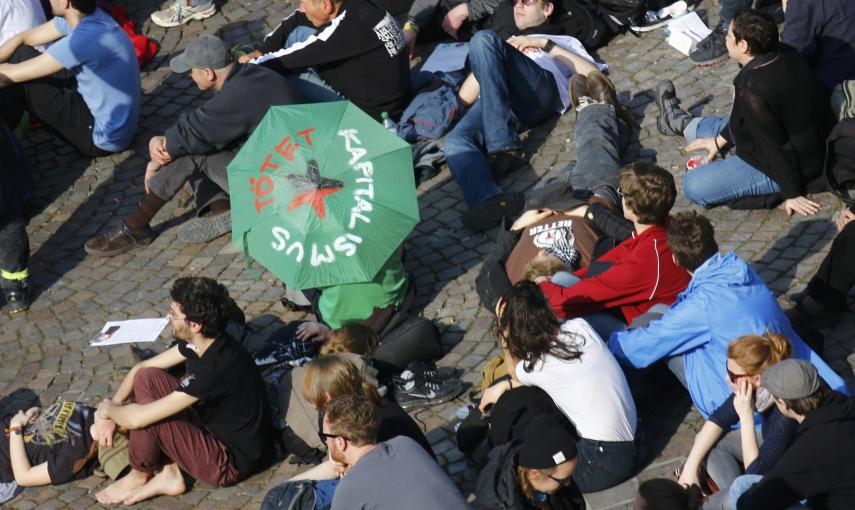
290,496
584,21
408,338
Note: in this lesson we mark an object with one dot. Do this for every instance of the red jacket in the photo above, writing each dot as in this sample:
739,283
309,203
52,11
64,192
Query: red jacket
643,274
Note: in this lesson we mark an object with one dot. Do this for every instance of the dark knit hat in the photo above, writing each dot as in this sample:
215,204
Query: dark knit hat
547,444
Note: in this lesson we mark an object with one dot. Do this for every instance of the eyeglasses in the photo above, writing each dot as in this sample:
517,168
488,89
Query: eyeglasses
562,482
619,192
170,316
733,377
323,436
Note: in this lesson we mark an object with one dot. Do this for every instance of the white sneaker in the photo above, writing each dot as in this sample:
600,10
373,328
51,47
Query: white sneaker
179,13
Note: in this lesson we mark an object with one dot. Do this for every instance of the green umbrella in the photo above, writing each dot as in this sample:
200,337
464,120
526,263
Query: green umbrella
322,194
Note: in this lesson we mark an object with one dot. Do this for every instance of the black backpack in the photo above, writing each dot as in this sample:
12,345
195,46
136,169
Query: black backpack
584,21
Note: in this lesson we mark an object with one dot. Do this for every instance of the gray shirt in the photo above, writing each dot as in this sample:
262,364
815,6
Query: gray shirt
397,474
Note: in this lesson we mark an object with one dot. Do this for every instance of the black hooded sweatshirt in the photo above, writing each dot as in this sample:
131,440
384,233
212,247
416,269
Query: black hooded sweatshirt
498,487
819,466
360,53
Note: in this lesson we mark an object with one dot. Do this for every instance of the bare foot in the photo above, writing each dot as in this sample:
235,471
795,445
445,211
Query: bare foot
168,482
122,488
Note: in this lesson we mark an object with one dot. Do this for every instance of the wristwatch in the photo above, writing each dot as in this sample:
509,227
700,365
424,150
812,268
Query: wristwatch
549,45
17,430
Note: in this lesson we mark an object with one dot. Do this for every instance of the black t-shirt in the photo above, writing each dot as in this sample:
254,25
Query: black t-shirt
59,436
232,401
394,422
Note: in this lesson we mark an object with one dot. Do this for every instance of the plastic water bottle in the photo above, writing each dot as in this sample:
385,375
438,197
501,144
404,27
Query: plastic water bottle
388,123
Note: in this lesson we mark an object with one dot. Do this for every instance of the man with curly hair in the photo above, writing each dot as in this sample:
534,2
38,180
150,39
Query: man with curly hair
213,424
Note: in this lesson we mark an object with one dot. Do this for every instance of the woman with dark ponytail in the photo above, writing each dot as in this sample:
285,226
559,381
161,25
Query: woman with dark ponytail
572,364
752,448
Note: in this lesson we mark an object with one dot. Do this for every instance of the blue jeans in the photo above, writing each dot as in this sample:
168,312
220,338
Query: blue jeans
603,464
741,485
516,93
604,323
308,82
724,180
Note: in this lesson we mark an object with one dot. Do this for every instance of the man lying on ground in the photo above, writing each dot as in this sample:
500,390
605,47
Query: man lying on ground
514,85
341,49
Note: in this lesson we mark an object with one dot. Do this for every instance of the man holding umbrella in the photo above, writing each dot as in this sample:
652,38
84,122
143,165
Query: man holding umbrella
200,145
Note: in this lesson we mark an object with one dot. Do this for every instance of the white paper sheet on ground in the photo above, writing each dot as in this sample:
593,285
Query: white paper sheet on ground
686,32
130,331
447,57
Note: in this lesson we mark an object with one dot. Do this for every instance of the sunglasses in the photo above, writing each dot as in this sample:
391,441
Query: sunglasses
525,2
562,482
323,436
733,377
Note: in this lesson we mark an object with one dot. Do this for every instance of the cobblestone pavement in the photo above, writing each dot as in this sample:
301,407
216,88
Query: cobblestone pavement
46,349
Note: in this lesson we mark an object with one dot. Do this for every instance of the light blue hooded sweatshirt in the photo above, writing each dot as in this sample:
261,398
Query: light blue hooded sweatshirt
724,301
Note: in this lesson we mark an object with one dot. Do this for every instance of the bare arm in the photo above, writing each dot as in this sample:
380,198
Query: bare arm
704,442
137,416
323,471
576,63
26,475
166,359
37,67
469,90
42,34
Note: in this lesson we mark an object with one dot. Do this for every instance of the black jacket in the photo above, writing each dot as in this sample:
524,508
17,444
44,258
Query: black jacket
779,120
361,54
820,466
498,487
226,120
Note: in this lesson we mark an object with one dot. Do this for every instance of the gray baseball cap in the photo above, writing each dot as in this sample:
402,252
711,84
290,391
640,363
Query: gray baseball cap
207,51
791,379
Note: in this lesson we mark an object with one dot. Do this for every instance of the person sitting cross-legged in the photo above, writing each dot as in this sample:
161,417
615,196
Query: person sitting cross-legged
214,423
85,86
777,126
200,146
693,335
514,85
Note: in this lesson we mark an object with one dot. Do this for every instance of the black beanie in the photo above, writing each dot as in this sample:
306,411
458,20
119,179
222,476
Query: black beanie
547,444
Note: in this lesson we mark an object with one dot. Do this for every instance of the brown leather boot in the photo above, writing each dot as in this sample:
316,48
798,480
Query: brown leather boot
578,89
603,91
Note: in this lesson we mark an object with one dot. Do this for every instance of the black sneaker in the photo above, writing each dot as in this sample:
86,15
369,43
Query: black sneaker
427,370
490,213
711,50
425,391
17,294
671,119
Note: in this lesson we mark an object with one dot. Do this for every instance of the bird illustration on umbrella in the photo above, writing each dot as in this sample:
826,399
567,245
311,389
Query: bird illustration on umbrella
312,189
